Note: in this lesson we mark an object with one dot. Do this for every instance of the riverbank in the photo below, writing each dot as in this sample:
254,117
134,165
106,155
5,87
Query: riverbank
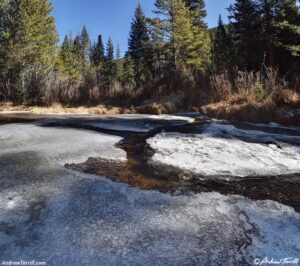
282,108
165,105
60,109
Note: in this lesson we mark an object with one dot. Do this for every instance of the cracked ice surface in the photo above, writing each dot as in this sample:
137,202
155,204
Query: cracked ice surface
60,145
52,214
227,150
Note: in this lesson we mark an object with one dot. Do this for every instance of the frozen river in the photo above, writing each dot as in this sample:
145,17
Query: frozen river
147,190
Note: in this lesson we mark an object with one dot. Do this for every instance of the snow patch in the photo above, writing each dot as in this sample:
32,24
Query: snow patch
220,150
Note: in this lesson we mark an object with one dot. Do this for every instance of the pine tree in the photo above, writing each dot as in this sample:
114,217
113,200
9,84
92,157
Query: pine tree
110,64
288,21
119,64
69,58
246,25
182,35
281,23
138,34
222,46
186,42
85,42
29,36
138,45
128,78
39,32
97,56
198,10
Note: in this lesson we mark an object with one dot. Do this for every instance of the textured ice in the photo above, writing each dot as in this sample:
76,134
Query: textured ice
256,134
137,122
123,127
74,219
59,145
49,213
227,150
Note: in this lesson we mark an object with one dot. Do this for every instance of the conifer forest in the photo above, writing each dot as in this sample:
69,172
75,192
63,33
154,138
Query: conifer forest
172,53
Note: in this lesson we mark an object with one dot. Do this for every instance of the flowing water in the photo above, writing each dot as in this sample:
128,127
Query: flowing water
42,193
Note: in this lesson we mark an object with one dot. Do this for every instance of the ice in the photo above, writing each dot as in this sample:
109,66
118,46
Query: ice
52,214
15,112
222,150
255,134
87,220
118,127
137,122
59,145
157,117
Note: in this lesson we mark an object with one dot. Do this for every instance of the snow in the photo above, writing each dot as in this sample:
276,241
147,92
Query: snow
224,150
52,214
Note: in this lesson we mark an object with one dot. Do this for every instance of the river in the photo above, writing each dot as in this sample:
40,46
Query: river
141,189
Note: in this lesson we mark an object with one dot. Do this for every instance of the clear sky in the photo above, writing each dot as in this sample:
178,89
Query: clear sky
113,17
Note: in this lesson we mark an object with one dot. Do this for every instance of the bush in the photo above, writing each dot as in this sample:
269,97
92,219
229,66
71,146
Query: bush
259,91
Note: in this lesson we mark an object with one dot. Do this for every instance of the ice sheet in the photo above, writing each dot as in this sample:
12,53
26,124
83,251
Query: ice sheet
62,217
223,150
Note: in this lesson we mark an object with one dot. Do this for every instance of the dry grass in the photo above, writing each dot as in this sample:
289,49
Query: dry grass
282,106
165,105
60,109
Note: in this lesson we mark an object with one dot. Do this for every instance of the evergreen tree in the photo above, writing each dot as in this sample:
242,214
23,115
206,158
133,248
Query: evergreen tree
69,58
198,10
39,36
30,40
222,46
138,44
281,23
110,64
85,42
128,78
182,35
97,56
245,19
138,35
187,42
119,64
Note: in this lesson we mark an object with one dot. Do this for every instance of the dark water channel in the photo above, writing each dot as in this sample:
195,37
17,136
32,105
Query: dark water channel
141,172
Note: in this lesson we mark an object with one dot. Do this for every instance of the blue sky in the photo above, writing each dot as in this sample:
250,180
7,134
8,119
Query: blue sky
113,17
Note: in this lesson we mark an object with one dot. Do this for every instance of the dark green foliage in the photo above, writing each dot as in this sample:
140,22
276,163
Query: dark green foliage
222,49
198,12
128,77
138,45
265,32
281,21
85,42
247,34
110,67
27,46
172,52
97,54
